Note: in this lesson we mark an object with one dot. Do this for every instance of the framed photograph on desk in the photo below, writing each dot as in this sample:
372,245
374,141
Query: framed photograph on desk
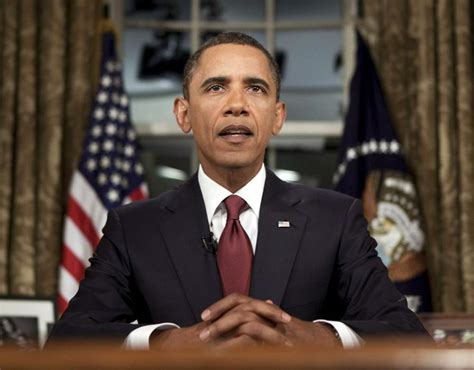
455,329
25,322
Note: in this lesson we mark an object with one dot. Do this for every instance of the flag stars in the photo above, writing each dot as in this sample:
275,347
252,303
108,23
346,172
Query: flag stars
373,146
98,114
102,97
118,164
394,146
93,147
128,150
126,166
91,164
365,148
96,131
101,179
122,117
106,81
113,195
105,162
383,147
116,179
110,129
138,169
108,145
110,159
351,154
113,113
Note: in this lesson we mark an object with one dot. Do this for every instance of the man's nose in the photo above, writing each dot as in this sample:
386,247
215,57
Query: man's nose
236,104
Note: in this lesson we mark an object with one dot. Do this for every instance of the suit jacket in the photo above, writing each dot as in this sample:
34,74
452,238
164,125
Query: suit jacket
150,265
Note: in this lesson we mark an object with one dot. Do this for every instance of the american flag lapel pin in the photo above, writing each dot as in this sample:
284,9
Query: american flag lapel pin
284,223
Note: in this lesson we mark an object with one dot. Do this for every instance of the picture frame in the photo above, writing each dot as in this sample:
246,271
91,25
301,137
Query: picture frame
455,329
25,322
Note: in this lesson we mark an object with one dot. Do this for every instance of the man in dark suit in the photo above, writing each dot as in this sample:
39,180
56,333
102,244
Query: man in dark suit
285,264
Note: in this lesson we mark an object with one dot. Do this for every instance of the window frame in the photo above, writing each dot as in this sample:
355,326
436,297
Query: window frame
294,132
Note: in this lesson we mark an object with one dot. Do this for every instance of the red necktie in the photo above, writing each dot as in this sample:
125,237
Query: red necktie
234,254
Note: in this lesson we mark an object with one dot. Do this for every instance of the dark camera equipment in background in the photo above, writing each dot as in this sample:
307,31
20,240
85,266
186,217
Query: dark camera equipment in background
166,56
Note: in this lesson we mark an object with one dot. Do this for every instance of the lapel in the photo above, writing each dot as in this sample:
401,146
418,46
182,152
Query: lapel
276,246
183,230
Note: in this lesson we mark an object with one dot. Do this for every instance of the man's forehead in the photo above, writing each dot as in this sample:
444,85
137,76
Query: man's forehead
233,59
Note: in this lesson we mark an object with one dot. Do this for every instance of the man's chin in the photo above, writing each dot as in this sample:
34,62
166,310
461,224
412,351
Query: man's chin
238,165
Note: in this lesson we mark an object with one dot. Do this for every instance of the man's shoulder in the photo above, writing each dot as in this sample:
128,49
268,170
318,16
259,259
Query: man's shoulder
308,191
149,206
320,198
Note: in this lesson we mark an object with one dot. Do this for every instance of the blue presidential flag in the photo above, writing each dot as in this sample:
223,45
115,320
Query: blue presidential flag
371,167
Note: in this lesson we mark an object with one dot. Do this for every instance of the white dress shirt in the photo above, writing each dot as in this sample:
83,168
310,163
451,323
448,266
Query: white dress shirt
214,195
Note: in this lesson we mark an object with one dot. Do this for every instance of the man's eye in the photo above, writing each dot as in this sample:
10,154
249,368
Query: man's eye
215,88
256,89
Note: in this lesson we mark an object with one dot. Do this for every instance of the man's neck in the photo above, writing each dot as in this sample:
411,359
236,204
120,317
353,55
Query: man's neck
231,179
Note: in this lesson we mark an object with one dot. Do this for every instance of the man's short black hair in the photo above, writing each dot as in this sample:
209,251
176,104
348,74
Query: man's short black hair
236,38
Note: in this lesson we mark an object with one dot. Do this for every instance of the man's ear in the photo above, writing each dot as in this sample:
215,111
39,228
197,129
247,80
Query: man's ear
280,116
181,112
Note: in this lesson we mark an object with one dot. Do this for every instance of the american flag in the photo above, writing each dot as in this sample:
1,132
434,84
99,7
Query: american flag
109,174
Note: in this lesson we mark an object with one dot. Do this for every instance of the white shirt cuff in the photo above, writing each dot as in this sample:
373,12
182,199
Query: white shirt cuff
140,337
349,338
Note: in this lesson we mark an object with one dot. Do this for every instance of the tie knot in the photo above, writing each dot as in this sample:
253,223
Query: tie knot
234,205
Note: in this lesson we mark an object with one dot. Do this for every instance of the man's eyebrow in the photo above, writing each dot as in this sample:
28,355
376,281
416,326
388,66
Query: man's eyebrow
257,81
214,80
224,80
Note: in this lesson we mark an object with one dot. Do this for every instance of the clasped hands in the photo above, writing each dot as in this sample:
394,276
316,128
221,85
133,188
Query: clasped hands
239,320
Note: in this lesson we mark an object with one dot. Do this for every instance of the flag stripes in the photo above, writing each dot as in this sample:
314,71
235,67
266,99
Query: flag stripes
82,221
72,263
85,193
109,174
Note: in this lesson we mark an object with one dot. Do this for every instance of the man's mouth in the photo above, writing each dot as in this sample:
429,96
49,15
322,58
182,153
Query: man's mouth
236,130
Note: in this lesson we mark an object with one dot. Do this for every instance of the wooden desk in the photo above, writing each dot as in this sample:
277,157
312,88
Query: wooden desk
394,355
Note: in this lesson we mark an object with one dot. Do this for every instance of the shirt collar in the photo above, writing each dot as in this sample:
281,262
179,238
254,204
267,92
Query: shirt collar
213,193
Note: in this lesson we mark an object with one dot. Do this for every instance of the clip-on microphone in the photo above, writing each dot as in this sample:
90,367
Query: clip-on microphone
209,243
